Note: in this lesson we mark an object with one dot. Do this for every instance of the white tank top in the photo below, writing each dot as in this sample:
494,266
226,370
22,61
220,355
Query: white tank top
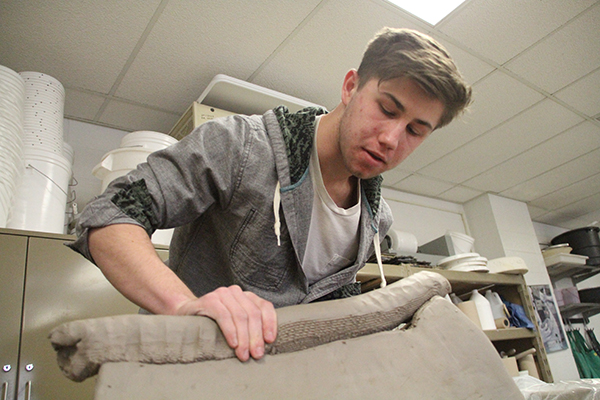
333,234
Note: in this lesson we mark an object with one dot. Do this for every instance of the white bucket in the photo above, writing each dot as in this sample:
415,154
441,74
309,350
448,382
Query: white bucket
68,152
40,200
148,140
135,149
460,242
119,162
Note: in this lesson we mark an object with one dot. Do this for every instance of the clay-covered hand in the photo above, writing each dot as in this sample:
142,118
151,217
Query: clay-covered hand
246,320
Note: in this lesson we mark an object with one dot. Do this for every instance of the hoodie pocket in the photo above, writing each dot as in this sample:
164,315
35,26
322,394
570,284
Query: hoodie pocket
256,259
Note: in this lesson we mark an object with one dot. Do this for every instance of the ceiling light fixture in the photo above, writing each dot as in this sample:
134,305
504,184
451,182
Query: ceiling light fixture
431,11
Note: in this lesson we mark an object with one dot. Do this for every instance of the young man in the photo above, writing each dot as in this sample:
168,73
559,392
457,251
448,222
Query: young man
277,209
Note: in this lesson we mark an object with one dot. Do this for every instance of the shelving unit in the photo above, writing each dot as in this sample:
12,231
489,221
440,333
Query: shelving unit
573,267
511,287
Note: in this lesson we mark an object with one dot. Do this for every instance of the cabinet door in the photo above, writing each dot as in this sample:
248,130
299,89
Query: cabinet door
13,251
61,286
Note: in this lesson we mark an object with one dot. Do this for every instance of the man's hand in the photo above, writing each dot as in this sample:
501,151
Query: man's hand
127,258
246,320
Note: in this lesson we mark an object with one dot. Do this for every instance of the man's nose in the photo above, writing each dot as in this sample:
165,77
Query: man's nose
393,135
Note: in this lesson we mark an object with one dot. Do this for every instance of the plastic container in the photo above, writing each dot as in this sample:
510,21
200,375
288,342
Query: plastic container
135,149
484,310
119,162
148,140
40,200
496,304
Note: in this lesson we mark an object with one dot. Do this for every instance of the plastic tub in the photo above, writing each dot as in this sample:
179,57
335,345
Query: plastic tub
579,238
148,140
40,200
119,162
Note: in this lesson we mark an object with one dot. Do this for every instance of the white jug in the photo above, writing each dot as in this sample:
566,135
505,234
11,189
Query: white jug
496,304
484,310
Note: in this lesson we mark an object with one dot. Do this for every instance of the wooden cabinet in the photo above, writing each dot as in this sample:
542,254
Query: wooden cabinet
44,284
511,287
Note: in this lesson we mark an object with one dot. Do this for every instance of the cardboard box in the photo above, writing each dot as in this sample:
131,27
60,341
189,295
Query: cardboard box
510,363
196,115
569,295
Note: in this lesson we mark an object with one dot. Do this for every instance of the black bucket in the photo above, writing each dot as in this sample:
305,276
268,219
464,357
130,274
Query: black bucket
583,241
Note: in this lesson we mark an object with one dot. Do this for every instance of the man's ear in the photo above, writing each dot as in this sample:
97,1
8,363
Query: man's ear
350,86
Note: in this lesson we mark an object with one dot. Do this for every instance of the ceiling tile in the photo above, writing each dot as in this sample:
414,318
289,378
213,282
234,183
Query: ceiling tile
83,44
548,182
533,126
119,114
582,207
460,194
556,218
564,56
194,41
394,175
313,63
438,144
499,30
583,95
422,185
536,212
163,54
471,67
568,194
560,149
591,219
82,105
490,108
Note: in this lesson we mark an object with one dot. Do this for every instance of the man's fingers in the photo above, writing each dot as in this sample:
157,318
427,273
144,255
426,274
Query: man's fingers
268,315
246,320
249,323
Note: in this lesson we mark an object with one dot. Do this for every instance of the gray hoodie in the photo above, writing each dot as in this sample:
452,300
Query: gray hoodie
239,192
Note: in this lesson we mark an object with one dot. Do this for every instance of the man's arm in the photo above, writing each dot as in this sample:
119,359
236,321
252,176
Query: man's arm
127,258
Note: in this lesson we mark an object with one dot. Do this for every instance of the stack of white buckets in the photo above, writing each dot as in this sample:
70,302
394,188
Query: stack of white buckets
39,198
134,149
12,106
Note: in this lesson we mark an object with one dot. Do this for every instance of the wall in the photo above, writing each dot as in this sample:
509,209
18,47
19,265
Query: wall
90,143
424,217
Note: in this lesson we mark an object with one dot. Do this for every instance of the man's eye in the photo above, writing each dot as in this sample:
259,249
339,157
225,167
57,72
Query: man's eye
412,131
386,112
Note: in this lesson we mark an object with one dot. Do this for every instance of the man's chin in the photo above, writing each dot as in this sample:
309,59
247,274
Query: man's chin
366,175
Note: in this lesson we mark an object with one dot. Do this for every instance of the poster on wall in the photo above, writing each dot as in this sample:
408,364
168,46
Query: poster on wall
548,318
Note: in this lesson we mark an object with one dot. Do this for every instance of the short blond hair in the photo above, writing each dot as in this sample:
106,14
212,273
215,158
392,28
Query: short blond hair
396,53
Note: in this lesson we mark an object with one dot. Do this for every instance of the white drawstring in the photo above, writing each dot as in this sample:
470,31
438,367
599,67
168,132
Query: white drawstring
377,246
276,203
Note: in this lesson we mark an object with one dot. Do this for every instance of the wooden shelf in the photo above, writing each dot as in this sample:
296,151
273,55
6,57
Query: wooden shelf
510,334
511,286
462,282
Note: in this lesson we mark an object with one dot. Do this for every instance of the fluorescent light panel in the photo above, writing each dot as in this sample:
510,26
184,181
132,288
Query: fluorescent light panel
432,11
